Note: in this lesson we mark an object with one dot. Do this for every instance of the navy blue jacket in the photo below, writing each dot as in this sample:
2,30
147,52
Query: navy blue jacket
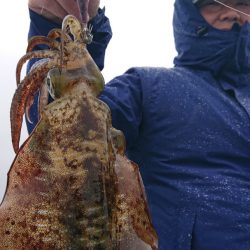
188,128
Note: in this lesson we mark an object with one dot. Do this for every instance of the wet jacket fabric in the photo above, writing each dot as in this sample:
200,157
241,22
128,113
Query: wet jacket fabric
188,128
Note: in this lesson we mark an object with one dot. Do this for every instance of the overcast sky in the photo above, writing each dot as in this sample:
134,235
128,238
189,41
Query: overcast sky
142,37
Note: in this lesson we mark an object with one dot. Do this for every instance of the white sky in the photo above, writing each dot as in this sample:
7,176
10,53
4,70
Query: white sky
142,37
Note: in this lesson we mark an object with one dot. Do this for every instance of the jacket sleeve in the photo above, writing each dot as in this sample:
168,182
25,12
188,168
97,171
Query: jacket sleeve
124,96
102,34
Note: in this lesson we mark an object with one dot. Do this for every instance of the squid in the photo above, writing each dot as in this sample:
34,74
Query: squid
70,185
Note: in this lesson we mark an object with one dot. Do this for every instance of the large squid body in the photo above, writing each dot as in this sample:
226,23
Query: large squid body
70,185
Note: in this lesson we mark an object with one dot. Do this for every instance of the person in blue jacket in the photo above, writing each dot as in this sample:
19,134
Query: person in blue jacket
187,127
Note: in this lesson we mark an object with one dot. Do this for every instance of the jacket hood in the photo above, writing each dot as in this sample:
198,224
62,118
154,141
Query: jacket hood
199,44
224,54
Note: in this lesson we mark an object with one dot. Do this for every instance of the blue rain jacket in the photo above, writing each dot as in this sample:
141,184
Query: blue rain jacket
188,128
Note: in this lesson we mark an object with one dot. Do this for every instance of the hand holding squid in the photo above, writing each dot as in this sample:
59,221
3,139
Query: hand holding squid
56,10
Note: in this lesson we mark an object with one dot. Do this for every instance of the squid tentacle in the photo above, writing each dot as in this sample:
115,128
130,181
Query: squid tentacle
43,101
50,40
71,32
33,54
41,40
43,97
84,10
25,89
29,103
57,34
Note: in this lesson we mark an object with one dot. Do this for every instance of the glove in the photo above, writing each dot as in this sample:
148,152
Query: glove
56,10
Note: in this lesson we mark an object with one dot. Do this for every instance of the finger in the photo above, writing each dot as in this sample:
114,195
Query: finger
83,5
93,8
70,7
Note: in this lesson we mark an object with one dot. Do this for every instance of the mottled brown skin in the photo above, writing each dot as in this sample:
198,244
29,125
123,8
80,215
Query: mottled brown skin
70,185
